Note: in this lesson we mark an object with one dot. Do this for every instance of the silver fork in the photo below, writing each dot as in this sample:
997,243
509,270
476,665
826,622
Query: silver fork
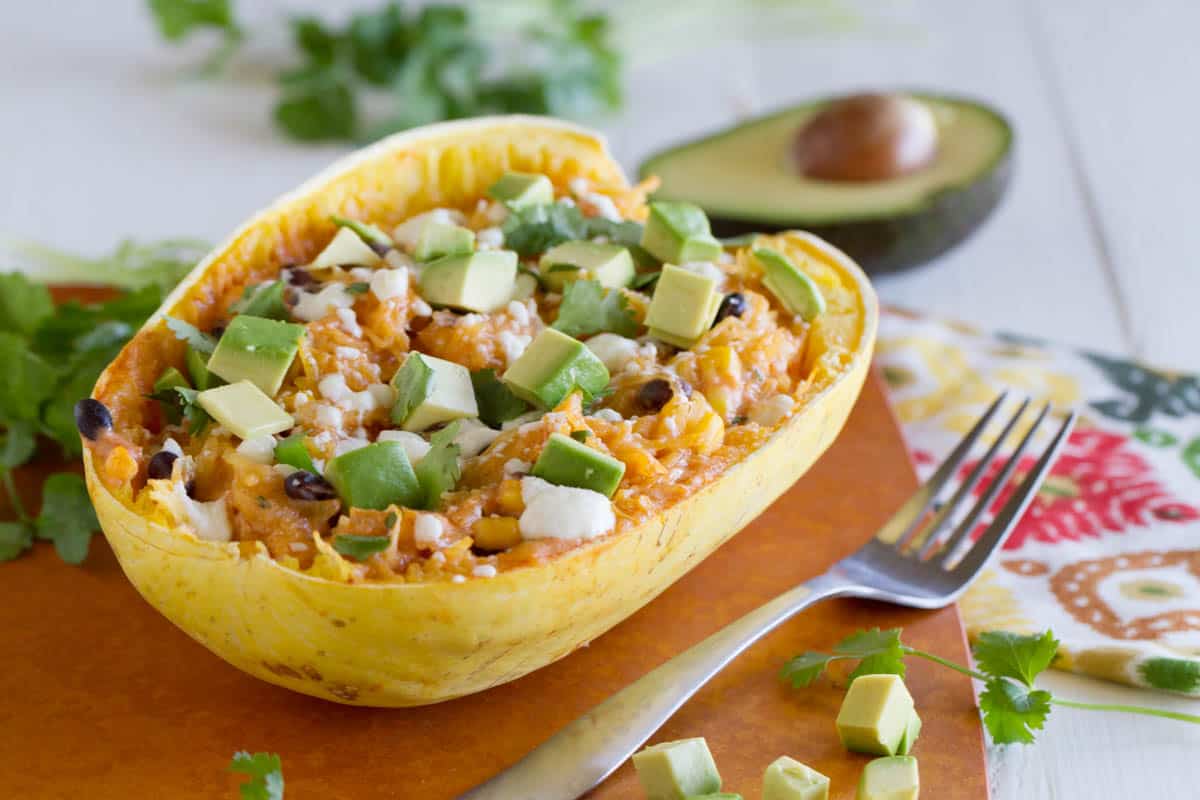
916,559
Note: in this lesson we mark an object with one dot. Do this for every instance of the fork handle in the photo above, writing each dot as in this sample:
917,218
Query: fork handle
586,751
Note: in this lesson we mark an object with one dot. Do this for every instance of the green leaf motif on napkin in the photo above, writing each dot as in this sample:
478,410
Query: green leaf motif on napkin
1150,392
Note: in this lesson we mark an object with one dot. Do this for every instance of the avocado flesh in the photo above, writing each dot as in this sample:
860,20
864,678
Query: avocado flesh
744,179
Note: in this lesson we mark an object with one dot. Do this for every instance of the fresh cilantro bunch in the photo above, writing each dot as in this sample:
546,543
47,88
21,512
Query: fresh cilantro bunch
51,356
388,69
264,773
1007,664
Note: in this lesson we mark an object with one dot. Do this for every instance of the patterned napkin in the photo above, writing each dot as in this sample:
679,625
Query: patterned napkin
1108,554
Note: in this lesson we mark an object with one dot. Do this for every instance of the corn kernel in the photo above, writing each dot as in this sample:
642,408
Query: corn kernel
509,498
495,533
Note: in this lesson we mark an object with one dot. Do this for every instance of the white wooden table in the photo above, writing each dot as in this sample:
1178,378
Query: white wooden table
1097,244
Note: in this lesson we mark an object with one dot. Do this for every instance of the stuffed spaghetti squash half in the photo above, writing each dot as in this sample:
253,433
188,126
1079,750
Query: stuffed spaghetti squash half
456,407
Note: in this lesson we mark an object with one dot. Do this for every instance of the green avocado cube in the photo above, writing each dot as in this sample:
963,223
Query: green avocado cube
293,451
257,350
376,476
678,232
798,292
891,778
481,281
521,189
347,249
440,239
171,378
875,714
567,462
430,391
197,369
684,306
674,770
553,366
911,731
788,779
244,409
609,264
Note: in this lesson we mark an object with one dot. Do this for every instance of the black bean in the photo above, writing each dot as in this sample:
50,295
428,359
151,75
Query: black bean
302,485
92,418
733,305
381,248
653,395
190,488
218,331
297,276
160,465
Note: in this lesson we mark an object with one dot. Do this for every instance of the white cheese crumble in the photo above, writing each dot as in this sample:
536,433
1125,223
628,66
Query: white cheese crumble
439,557
376,395
489,239
603,205
389,283
563,512
514,344
473,437
344,446
349,322
459,579
615,351
361,274
209,521
421,309
260,449
172,446
406,233
705,269
414,446
517,422
427,529
329,416
312,307
397,259
772,410
493,210
346,353
579,186
518,311
297,547
515,466
484,571
607,414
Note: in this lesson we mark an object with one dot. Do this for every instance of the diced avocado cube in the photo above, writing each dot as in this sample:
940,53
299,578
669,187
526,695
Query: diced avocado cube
874,715
170,379
293,451
375,476
568,462
263,300
891,778
244,409
430,391
520,189
678,233
609,264
197,368
674,770
346,249
481,281
684,306
788,779
911,731
553,366
440,239
798,292
258,350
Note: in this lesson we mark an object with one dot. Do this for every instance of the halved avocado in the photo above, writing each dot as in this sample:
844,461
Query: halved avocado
747,179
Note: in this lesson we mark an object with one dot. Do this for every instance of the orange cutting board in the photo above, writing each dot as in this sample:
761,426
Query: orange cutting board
104,699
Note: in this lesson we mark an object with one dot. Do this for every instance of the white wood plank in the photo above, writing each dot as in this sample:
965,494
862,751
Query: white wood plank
1127,77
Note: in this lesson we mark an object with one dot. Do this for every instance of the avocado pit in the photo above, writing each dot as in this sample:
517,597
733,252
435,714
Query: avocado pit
867,137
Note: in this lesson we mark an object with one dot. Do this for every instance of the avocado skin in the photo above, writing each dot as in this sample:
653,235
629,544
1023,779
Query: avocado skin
892,244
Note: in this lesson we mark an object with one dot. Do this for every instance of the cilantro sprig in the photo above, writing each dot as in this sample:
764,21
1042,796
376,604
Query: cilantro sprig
587,308
1007,664
264,773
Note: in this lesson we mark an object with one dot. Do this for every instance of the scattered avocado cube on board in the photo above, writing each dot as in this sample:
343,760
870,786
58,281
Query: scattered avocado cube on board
890,778
257,350
521,189
481,281
346,249
609,264
788,779
567,462
244,409
375,476
875,714
684,306
553,366
798,292
440,239
430,391
678,232
675,770
911,731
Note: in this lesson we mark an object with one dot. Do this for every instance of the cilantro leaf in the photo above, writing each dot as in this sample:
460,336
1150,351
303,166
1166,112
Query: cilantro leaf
131,265
1012,712
805,668
17,445
1011,655
24,305
263,300
413,383
15,539
439,470
265,773
497,404
588,308
67,516
535,229
317,107
1171,674
77,380
645,280
28,380
176,19
200,341
180,402
866,642
360,548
